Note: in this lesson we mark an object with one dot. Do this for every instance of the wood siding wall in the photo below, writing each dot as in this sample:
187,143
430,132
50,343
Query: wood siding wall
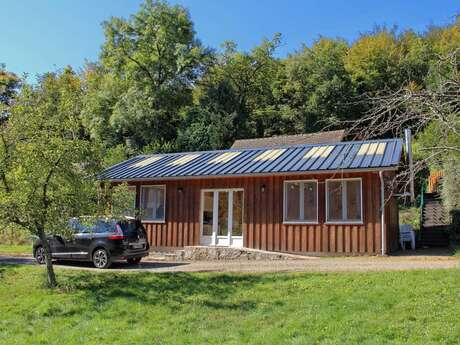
263,226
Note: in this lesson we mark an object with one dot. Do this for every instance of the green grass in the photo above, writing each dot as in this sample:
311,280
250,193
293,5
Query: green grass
15,249
416,307
456,249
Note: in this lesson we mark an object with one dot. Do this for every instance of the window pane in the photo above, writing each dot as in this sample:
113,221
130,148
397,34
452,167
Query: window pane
353,200
310,202
237,214
103,226
222,229
160,207
334,195
153,203
147,203
208,204
292,201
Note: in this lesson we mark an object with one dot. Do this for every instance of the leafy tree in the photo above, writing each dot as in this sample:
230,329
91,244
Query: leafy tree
204,130
46,162
316,87
383,61
444,39
9,84
149,64
240,83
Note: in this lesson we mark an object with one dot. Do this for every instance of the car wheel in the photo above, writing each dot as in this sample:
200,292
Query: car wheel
40,255
101,258
134,261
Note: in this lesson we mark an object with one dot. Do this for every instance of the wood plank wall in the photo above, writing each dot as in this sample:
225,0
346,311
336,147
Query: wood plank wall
263,226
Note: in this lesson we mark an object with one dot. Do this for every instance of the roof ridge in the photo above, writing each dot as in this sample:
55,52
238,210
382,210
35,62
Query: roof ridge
293,135
270,147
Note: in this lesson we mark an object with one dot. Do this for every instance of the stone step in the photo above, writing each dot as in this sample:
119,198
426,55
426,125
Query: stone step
205,253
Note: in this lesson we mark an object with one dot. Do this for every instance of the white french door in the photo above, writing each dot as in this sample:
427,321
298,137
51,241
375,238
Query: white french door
222,217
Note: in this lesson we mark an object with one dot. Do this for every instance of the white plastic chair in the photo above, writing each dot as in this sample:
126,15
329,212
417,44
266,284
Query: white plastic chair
406,234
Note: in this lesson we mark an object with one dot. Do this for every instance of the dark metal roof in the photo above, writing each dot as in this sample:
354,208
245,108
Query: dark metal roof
296,139
354,155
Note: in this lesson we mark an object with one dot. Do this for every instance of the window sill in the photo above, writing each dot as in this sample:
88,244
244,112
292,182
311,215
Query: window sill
153,221
292,222
344,222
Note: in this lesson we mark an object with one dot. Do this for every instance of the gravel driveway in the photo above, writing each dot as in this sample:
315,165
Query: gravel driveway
419,260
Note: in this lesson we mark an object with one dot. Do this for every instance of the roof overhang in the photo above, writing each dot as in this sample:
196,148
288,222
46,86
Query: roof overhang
289,173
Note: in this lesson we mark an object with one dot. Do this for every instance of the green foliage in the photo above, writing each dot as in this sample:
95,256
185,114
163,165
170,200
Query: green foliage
12,234
410,215
316,87
16,249
114,155
46,160
147,69
9,85
382,60
203,130
121,202
239,84
450,190
209,308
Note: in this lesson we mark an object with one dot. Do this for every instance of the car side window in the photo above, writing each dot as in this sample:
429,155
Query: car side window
104,227
79,228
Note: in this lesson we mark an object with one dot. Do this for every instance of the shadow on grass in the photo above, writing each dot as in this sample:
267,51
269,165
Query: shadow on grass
434,251
118,265
167,289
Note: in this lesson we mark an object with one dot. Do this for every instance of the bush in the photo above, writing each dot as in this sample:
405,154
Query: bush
10,234
410,215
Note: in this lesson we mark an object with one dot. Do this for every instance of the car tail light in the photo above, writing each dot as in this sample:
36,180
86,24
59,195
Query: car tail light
117,234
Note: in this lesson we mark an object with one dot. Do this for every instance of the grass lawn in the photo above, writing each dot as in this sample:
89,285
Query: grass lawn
456,249
15,249
416,307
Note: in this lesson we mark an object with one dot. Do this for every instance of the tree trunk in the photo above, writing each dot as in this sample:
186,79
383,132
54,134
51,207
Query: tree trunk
49,263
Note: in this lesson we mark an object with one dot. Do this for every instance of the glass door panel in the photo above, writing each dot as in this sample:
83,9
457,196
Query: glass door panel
208,212
237,223
223,214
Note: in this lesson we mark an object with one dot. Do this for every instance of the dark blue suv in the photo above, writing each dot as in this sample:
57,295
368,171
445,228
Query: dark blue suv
101,241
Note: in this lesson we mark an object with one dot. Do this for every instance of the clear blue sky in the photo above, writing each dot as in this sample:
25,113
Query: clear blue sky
45,35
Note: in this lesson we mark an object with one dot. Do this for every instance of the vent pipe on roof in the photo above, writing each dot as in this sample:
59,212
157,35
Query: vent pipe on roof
408,142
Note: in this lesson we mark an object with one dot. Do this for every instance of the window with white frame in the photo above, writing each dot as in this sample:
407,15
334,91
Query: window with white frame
301,201
344,201
153,203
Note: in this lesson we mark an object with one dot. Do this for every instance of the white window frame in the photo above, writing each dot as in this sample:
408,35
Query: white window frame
141,206
344,201
301,202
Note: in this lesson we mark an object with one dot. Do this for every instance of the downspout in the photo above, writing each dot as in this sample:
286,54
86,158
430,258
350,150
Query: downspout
382,210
